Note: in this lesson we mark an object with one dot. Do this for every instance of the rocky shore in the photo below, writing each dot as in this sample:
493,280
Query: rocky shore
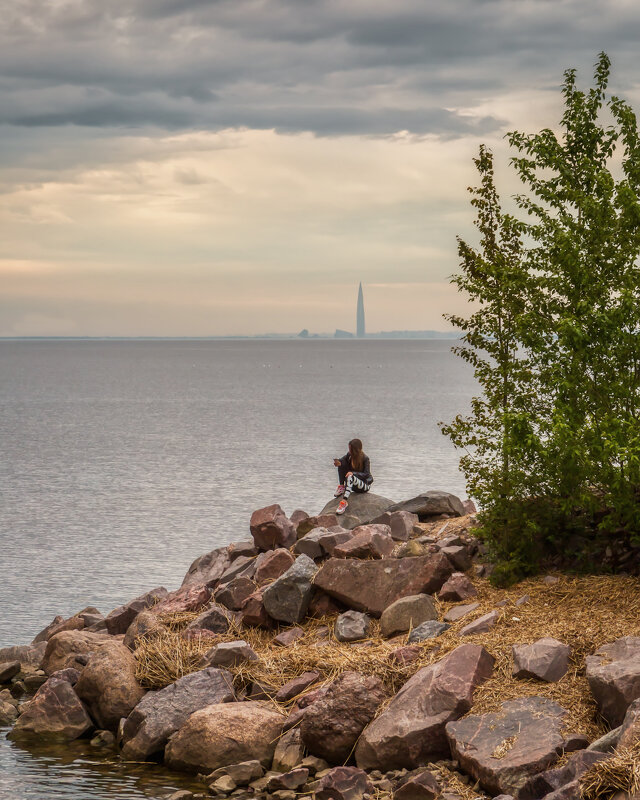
353,657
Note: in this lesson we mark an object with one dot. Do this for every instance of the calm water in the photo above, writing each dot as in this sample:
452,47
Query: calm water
123,461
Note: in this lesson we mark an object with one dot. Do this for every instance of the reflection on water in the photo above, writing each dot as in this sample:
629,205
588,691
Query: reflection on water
77,771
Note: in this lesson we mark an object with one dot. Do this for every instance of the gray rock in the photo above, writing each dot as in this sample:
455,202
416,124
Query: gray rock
608,742
352,626
289,751
362,509
401,523
208,568
406,613
431,504
457,612
459,556
547,660
159,714
241,774
427,630
288,597
216,619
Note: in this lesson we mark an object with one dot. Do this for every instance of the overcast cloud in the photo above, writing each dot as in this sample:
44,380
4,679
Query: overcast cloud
220,166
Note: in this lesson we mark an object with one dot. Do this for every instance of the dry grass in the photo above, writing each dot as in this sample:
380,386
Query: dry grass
620,773
582,612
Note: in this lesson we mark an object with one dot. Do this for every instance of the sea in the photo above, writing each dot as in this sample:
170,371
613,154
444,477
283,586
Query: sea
121,461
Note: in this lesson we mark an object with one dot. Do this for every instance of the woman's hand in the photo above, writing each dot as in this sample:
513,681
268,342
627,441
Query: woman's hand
348,473
336,462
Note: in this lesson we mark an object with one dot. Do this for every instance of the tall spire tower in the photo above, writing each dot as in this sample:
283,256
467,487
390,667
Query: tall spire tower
360,332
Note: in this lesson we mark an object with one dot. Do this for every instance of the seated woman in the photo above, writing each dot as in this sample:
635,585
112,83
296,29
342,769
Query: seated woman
354,474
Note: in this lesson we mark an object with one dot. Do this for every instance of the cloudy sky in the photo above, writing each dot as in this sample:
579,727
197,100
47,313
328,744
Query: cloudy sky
204,167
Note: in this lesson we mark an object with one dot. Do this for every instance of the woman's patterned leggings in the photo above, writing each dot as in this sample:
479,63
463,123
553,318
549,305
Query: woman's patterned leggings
354,484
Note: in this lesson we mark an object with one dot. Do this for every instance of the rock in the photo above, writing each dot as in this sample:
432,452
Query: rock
321,542
406,613
55,712
551,580
322,605
319,521
29,655
332,724
270,528
63,649
287,598
228,654
608,742
144,625
372,586
233,594
187,598
288,637
407,654
289,751
297,516
504,749
224,734
216,619
469,507
630,728
422,786
8,670
104,740
547,659
427,630
274,564
120,618
253,612
70,675
410,732
160,714
296,686
34,682
207,570
457,612
241,774
482,624
292,780
352,626
401,523
431,504
244,548
344,783
8,713
362,509
367,541
241,567
544,783
458,587
522,600
108,685
613,673
459,556
58,625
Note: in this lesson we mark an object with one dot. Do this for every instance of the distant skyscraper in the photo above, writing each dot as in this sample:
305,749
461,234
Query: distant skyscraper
360,332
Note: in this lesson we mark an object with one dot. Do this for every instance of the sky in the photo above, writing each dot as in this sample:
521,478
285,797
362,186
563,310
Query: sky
229,167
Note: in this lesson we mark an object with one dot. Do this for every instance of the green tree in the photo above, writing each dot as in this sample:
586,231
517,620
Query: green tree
552,444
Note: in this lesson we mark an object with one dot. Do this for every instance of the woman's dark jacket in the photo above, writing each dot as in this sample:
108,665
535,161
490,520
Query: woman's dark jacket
346,466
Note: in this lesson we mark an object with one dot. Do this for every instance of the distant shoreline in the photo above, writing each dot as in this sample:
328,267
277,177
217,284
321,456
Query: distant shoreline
391,335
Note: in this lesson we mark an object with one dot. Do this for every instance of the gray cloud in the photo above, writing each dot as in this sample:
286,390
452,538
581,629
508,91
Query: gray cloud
326,66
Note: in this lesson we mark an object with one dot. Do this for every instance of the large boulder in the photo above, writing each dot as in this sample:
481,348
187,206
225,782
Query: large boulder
503,750
362,509
613,672
372,586
368,541
407,612
208,569
431,504
159,714
120,618
331,726
410,732
224,734
547,660
29,655
108,685
64,648
271,528
55,712
288,597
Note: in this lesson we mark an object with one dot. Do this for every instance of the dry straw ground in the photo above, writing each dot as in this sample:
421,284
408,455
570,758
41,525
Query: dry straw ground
583,612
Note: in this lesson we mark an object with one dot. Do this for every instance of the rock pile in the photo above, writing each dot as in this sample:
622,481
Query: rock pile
339,659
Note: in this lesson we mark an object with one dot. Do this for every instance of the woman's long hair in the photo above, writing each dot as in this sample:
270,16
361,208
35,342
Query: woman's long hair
357,456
